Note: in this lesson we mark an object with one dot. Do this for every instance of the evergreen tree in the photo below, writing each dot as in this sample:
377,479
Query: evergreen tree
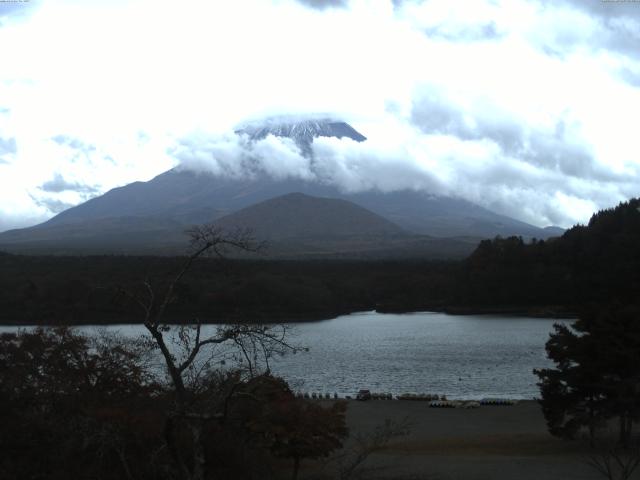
597,374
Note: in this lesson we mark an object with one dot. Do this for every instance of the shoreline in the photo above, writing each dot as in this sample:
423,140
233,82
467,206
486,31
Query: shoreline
537,311
550,312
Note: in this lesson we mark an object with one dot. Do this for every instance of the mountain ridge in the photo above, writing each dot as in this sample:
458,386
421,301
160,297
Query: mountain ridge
199,197
158,210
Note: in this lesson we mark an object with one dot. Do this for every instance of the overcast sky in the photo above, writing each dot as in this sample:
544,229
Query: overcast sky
528,107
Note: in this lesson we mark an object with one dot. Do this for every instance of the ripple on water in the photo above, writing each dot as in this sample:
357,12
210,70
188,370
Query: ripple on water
460,356
466,357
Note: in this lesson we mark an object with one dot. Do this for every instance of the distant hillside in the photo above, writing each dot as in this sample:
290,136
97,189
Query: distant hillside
181,198
103,235
297,215
189,198
296,226
299,226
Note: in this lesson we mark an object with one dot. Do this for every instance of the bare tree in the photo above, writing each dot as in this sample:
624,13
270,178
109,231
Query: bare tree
251,345
615,463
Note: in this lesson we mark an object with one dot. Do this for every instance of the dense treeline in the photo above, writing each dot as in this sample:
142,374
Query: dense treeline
596,263
71,290
596,376
589,265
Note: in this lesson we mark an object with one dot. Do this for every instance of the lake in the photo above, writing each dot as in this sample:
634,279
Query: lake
465,357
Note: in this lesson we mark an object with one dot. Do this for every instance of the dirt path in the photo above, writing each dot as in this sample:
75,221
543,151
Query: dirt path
489,443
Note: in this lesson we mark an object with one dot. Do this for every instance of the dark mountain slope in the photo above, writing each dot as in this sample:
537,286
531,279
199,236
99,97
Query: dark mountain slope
130,234
296,215
188,197
299,226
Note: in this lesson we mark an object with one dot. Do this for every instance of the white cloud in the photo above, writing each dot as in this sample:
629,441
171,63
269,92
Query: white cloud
480,169
134,85
235,156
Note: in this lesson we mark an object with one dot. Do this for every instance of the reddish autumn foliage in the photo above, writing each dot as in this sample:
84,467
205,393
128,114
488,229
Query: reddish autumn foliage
73,406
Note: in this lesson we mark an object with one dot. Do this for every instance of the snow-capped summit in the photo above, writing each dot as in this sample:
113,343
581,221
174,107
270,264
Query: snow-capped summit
302,131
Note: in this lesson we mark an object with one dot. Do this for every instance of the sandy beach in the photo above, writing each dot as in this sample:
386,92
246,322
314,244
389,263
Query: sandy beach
487,443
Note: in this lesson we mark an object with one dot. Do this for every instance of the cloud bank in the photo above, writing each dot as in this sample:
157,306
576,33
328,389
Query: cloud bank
540,177
524,106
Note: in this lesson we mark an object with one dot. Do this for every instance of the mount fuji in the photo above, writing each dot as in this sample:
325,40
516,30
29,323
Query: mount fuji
302,132
150,217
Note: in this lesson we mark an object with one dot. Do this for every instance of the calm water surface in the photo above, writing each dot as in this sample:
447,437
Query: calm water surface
460,356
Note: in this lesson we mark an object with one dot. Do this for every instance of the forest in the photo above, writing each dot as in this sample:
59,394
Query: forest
590,264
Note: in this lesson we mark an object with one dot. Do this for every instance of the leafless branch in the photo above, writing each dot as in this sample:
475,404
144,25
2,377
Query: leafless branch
257,343
615,463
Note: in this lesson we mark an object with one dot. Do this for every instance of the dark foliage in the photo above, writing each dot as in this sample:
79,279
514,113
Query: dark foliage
588,265
76,290
73,406
597,374
290,427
